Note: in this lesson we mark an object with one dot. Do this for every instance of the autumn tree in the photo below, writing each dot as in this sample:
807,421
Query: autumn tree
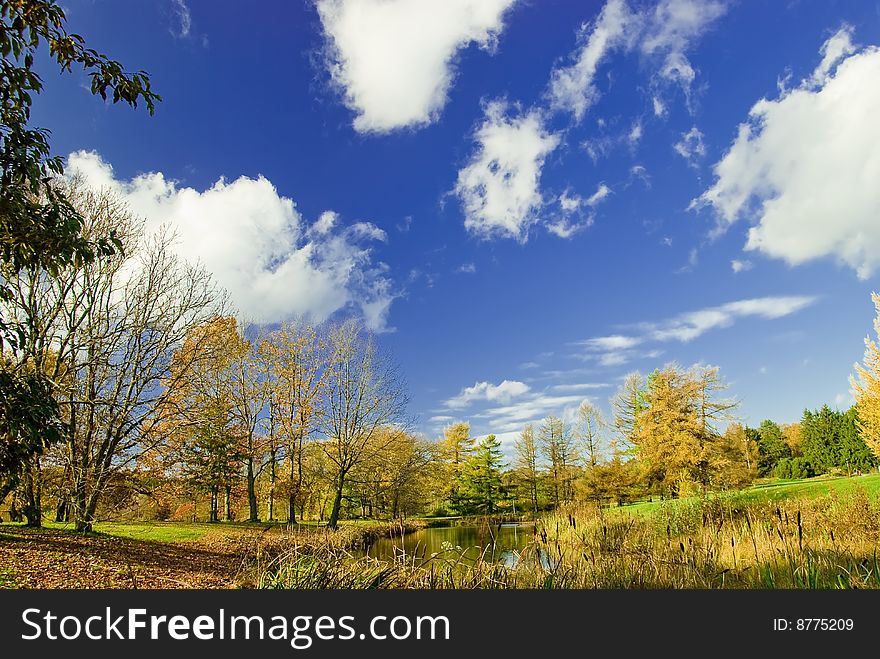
557,447
296,355
866,387
668,442
525,449
41,230
394,482
627,405
588,430
104,332
362,396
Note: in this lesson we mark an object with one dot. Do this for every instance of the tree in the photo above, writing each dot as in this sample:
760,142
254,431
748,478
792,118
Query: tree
40,229
296,355
627,405
669,444
362,396
831,439
526,462
483,476
104,332
588,432
732,459
212,456
867,387
455,449
711,409
772,447
556,444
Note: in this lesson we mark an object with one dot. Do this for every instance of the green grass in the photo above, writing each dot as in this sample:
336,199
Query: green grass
780,490
181,531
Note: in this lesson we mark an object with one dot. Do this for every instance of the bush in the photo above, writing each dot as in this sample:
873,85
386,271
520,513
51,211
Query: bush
793,468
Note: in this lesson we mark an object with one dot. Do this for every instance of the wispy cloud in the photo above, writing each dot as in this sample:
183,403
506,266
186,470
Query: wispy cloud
618,349
183,19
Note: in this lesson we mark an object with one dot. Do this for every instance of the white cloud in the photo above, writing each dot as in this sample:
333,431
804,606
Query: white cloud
659,107
804,167
635,133
740,266
394,59
689,326
691,146
671,30
256,244
184,18
584,386
565,229
571,87
576,212
467,268
503,392
500,187
838,47
613,342
617,349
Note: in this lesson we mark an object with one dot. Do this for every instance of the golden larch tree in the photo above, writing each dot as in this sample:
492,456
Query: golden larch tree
867,387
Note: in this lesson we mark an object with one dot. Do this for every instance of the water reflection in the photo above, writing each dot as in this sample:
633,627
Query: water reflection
506,544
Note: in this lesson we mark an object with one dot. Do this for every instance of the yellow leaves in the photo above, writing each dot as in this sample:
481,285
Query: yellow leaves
867,387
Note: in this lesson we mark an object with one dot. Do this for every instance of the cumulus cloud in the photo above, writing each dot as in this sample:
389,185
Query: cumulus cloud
500,187
571,87
257,245
485,391
393,60
738,265
803,169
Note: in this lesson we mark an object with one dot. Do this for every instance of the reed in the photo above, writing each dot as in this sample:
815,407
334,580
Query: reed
719,541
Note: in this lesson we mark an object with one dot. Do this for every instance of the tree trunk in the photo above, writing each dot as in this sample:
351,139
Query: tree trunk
270,502
337,502
251,492
80,507
214,504
227,503
33,509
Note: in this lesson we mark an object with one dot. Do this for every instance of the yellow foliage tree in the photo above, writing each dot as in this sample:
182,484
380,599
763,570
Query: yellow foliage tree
867,387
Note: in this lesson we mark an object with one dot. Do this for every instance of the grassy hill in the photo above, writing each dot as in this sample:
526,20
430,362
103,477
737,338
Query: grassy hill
780,490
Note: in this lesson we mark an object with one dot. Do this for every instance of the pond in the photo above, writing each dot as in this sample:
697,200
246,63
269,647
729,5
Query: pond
496,543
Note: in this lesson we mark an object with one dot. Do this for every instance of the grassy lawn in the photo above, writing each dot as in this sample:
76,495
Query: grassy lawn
778,490
182,531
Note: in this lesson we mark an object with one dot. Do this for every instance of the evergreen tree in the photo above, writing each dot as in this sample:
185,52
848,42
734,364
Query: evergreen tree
772,447
482,477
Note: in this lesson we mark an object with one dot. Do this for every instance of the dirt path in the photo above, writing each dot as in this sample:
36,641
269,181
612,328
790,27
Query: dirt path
51,558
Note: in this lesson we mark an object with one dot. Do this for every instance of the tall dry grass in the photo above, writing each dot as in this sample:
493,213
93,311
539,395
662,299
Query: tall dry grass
721,541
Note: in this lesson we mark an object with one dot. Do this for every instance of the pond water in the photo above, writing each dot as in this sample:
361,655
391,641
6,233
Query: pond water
497,543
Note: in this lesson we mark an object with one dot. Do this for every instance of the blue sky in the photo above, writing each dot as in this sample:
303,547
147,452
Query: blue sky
527,200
